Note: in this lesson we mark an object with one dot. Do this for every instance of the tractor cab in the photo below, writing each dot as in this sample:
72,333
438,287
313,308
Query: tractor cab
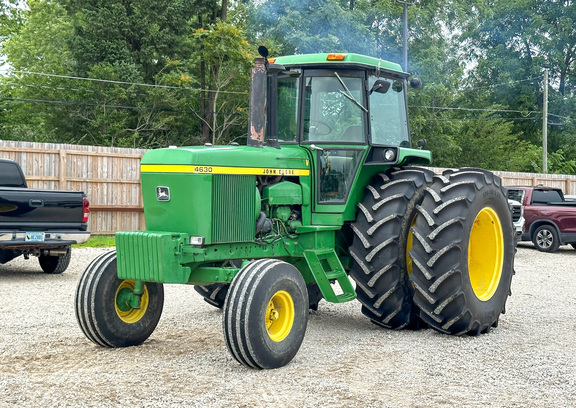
346,110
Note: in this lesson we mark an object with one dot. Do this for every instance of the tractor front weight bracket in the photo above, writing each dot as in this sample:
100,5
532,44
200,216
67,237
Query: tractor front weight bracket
136,298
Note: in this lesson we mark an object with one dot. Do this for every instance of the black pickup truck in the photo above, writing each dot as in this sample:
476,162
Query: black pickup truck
41,223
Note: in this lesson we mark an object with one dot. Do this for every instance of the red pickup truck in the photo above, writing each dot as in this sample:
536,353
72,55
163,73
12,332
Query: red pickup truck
550,219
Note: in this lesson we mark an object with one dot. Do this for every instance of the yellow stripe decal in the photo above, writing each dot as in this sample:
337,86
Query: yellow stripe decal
186,168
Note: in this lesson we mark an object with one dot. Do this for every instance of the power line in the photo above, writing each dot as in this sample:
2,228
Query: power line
475,119
129,83
115,106
501,84
526,113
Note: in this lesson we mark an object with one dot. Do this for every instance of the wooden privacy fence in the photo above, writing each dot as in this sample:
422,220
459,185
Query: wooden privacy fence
110,177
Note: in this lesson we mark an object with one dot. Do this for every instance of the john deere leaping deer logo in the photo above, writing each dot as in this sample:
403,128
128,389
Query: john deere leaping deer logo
162,193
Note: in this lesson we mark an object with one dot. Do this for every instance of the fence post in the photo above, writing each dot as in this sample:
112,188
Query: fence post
62,170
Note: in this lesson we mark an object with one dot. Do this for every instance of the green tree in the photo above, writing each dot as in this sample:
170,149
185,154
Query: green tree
228,55
512,42
121,73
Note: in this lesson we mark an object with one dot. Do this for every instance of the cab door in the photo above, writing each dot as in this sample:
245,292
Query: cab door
335,131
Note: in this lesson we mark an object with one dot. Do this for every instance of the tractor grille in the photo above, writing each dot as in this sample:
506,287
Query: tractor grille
234,208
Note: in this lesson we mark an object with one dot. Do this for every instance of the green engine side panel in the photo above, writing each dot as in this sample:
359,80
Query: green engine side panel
211,191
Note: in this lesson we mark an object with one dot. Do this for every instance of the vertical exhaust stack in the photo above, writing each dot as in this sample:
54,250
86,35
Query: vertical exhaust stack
257,110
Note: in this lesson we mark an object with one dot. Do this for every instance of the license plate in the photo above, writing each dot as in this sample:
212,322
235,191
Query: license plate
34,237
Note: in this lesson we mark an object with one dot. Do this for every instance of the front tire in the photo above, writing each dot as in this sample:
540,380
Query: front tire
380,247
103,317
463,252
546,239
55,264
266,314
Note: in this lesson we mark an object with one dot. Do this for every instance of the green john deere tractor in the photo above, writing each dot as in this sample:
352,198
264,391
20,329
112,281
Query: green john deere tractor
323,192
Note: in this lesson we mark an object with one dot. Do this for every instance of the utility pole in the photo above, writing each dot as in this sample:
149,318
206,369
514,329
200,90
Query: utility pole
545,125
405,31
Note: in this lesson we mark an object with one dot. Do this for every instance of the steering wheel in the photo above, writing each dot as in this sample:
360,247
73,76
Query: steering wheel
319,128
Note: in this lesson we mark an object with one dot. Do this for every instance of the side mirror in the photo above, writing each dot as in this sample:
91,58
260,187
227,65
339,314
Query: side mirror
422,144
380,86
415,83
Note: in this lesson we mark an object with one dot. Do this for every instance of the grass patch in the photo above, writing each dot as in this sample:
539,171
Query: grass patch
98,241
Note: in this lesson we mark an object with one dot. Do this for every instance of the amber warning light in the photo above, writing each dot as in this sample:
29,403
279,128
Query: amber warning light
335,57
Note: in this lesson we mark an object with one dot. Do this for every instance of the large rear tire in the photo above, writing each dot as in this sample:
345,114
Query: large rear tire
266,314
380,247
102,315
463,252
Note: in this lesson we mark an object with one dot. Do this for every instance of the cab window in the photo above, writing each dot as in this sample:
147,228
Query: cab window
334,110
388,118
288,108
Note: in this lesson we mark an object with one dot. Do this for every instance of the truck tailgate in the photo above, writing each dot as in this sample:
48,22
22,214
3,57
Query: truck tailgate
27,209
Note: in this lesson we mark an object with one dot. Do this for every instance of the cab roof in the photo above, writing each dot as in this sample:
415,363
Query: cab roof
340,59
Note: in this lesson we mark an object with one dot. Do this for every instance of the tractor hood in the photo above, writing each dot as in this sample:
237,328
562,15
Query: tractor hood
266,161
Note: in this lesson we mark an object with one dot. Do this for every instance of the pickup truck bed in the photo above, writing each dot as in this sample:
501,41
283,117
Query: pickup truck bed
42,223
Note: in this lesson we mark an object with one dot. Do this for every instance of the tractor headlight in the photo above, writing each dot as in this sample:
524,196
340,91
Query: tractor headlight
197,241
389,154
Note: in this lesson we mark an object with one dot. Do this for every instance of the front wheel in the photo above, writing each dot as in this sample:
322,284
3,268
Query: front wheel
463,252
266,314
103,310
546,239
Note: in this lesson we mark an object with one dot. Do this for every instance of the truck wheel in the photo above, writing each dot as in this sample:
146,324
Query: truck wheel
380,247
265,314
55,264
545,239
102,311
463,252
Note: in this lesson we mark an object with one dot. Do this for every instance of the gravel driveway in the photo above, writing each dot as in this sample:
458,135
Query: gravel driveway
345,361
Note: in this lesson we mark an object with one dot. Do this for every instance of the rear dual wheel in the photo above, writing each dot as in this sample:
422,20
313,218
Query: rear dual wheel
380,247
265,314
463,252
103,310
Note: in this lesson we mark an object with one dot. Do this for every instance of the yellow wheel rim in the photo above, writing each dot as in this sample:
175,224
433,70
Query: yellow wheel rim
485,254
409,240
124,311
280,315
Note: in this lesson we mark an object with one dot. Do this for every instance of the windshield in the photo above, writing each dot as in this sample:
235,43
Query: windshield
388,119
333,110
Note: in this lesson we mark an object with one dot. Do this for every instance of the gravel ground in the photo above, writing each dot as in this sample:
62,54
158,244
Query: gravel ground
345,361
